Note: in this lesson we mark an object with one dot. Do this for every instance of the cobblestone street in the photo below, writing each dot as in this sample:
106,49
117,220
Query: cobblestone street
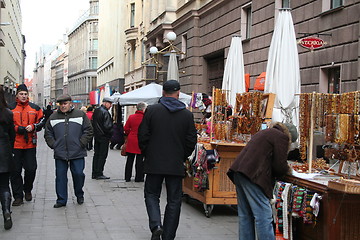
113,209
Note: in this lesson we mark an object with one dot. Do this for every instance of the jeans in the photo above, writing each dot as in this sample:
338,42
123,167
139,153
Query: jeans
23,158
61,181
139,167
152,191
254,210
101,150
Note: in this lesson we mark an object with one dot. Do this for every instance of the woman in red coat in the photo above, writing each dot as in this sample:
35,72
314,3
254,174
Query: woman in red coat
132,146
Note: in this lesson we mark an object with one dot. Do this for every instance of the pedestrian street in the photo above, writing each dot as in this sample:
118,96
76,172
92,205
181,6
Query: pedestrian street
113,209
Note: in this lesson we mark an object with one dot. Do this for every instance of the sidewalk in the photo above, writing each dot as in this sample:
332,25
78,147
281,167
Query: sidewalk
113,209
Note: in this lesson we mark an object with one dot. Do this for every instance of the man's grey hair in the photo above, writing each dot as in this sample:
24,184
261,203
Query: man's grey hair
141,106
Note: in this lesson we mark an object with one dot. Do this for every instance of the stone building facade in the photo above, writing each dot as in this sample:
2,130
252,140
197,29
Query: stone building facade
205,28
82,58
11,47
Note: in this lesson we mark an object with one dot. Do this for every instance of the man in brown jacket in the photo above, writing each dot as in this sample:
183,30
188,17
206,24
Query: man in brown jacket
253,172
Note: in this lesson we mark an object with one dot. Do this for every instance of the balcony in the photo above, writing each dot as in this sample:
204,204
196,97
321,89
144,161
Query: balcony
131,34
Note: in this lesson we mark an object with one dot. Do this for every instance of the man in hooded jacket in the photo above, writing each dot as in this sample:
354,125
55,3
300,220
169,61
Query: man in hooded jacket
167,136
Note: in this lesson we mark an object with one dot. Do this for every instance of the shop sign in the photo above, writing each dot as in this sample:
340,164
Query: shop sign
312,42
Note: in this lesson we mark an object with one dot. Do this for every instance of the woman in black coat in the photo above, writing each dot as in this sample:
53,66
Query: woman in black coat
7,137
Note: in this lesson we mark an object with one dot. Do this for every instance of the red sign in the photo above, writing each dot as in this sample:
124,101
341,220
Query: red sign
312,42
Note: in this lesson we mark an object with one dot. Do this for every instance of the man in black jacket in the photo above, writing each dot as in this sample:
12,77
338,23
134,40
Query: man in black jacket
167,136
67,131
103,130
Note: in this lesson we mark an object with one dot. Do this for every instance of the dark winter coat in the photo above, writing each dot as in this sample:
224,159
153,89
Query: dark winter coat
7,138
68,133
264,158
167,136
102,124
118,134
131,130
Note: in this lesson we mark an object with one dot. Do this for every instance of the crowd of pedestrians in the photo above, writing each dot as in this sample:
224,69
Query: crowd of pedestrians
158,137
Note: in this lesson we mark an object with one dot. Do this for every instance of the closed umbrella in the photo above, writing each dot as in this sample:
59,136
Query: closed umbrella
282,70
173,69
234,79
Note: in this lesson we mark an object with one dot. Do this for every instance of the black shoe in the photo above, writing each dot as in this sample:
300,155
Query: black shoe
59,205
80,200
102,177
18,202
7,221
156,233
28,196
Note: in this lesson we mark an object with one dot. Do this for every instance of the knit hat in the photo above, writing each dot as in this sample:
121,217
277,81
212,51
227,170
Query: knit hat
21,87
293,131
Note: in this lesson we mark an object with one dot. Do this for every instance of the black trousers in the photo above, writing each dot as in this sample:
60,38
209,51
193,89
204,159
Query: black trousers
152,192
4,183
139,167
23,158
101,149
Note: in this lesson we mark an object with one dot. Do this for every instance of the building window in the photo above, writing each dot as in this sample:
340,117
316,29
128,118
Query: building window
336,3
331,4
285,4
95,8
93,63
333,80
132,15
94,44
246,21
183,46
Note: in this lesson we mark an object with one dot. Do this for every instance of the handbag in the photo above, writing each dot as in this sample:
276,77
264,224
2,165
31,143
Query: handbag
123,148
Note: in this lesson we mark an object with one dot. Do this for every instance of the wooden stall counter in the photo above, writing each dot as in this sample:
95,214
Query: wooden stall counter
221,190
339,216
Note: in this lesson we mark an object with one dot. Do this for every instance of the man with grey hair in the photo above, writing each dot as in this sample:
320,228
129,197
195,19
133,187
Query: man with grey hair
132,146
67,132
103,130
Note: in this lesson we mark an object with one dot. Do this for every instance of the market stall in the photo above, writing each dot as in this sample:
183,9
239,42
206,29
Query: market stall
228,133
331,210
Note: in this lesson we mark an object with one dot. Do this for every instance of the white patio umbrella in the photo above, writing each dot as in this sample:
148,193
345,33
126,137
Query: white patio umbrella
173,69
234,79
282,70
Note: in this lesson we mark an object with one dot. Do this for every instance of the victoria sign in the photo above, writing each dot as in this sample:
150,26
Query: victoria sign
311,42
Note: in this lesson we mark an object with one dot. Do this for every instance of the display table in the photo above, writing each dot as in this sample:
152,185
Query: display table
339,216
221,190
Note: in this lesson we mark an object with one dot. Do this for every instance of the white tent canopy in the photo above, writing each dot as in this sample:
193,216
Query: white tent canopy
283,72
234,79
149,94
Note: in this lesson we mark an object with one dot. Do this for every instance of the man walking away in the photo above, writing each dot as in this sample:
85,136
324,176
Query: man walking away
67,132
167,136
27,117
103,130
